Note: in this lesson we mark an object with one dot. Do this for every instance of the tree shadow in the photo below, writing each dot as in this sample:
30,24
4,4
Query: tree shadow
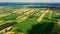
36,29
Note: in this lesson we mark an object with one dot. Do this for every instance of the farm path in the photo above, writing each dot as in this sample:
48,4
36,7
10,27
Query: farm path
42,15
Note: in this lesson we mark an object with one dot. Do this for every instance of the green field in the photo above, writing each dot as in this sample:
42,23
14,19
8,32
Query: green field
28,20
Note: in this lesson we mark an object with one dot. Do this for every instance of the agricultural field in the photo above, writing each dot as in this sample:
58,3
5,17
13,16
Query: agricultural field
17,20
7,10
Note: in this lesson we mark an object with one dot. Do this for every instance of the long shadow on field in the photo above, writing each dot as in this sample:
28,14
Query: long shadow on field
36,29
49,28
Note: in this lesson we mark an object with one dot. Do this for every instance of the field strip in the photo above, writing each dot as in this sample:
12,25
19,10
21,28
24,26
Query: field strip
41,17
1,21
2,15
22,19
50,15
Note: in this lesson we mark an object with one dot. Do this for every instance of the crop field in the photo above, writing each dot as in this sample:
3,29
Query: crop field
29,20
